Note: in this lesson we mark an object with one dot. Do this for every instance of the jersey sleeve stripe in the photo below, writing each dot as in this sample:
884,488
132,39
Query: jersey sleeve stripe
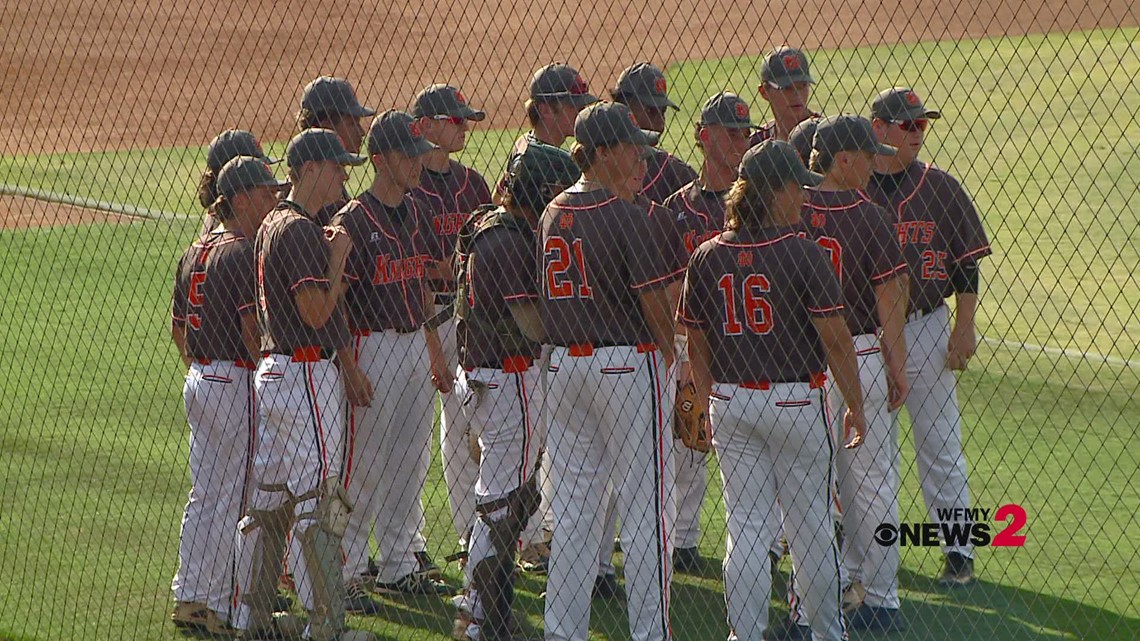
309,279
671,275
520,297
246,307
887,275
826,311
984,250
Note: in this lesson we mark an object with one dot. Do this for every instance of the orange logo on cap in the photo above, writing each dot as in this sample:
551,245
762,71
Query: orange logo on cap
459,96
912,99
659,85
742,111
791,62
744,259
414,127
632,119
579,86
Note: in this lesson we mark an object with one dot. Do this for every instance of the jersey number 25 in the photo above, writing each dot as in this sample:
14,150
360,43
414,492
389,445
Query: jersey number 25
557,256
757,309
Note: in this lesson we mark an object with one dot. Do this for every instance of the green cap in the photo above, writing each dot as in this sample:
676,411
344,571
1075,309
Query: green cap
560,82
609,123
785,67
444,100
538,174
901,104
327,95
642,83
727,110
801,137
246,172
396,130
776,163
231,144
315,145
848,132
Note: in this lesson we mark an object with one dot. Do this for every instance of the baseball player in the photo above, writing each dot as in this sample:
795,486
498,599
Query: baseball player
604,310
501,378
297,489
214,326
642,88
226,146
785,84
942,240
764,313
858,236
557,93
697,212
331,103
388,300
452,191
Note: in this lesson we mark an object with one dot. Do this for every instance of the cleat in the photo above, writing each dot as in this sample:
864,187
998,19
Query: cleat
428,568
959,570
606,587
415,584
687,560
787,630
871,619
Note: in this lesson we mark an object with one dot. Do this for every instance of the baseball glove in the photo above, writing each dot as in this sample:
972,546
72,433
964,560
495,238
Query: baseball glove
690,423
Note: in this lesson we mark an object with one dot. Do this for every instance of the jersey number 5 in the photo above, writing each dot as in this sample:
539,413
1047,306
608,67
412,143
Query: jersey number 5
195,298
757,309
557,255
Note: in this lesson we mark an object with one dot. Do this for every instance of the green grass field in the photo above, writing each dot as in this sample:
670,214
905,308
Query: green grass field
93,436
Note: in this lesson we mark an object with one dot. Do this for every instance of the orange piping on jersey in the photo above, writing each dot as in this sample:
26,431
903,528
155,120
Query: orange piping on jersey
721,241
921,180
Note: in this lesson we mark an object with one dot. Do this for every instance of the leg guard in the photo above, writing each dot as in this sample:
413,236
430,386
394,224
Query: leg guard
262,545
319,534
492,577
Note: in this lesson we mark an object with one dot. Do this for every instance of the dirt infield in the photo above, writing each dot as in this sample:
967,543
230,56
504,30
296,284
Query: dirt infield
80,76
24,213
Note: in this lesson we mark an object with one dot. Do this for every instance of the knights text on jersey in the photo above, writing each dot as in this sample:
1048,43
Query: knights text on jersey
754,295
698,214
598,253
860,242
386,268
291,253
451,196
936,225
214,287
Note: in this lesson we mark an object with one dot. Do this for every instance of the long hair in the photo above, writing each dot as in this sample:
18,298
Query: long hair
747,205
583,156
821,161
222,208
207,188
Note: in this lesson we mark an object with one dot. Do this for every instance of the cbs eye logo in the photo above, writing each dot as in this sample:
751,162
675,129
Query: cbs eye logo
958,527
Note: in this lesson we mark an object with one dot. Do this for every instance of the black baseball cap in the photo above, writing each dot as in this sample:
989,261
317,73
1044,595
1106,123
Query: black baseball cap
727,110
643,83
848,132
315,145
901,104
785,67
396,130
560,82
245,172
444,100
776,163
801,137
333,95
609,123
231,144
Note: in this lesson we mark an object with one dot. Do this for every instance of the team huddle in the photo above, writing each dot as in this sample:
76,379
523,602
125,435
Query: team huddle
792,290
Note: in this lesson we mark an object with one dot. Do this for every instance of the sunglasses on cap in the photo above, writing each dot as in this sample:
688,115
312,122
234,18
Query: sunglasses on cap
918,124
455,120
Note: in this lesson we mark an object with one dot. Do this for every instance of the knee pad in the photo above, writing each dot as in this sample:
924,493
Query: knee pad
320,550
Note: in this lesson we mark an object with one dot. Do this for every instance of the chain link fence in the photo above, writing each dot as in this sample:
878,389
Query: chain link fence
432,278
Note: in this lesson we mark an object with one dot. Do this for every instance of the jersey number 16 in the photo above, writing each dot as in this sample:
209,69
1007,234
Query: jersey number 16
757,309
557,256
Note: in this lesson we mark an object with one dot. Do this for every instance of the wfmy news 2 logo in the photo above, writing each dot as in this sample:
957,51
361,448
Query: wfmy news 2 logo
959,526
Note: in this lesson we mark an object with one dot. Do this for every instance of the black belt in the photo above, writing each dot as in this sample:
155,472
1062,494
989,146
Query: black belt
913,316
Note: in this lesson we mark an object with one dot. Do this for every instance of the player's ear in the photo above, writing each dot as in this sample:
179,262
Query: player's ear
703,134
763,89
